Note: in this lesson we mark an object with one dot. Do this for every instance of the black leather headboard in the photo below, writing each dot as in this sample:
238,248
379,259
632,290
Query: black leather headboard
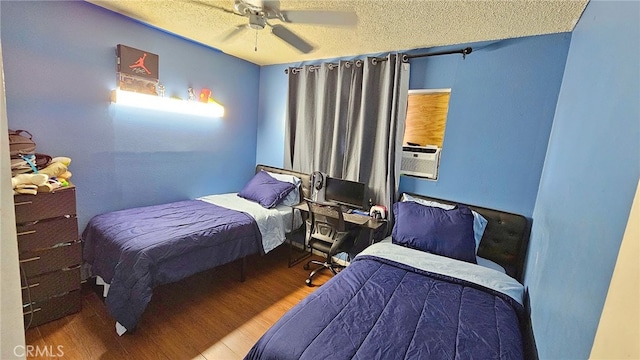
505,238
306,178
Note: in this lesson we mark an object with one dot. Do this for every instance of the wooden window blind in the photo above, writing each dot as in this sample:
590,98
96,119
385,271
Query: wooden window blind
426,117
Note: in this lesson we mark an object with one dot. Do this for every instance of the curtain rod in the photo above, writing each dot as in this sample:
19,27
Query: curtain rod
466,51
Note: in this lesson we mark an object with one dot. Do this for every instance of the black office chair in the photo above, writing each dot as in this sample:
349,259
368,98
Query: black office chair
328,234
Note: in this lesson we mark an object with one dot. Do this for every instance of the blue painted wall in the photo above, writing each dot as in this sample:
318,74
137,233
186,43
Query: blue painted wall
502,103
59,63
589,179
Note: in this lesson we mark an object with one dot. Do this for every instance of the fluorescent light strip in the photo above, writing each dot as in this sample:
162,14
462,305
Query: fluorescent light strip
129,98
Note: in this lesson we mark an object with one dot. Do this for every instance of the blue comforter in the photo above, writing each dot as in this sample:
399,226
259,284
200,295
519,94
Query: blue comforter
137,249
380,309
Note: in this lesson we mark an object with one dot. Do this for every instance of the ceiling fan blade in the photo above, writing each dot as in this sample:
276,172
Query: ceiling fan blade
321,17
202,3
273,5
291,38
233,33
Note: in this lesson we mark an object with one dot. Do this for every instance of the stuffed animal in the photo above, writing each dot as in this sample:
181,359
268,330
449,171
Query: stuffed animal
58,168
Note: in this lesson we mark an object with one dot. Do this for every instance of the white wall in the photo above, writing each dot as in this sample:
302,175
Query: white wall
619,328
11,325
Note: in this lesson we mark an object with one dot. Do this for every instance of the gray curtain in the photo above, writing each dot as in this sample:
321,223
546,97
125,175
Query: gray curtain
347,120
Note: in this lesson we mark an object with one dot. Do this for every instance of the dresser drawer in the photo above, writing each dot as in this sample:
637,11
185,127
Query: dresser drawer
44,286
51,309
56,258
45,205
46,233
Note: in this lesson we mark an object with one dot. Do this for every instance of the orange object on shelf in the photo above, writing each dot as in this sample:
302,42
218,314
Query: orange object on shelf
204,95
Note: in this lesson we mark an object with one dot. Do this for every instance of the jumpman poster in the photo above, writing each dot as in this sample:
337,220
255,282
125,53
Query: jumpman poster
137,62
137,70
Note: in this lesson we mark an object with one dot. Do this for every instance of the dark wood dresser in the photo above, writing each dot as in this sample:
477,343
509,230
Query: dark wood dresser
50,255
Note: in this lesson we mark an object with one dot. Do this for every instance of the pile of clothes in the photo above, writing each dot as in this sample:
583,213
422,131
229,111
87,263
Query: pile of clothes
34,172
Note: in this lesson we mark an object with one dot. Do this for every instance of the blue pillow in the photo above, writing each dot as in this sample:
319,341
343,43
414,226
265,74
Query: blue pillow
266,190
479,222
432,229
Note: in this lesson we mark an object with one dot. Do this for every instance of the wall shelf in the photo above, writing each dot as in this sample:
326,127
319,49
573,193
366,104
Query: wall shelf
133,99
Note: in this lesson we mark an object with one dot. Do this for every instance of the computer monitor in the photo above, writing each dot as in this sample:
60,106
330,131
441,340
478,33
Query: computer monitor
345,192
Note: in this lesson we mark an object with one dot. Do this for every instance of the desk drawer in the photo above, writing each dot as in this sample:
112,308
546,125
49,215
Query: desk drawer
47,233
43,261
45,205
54,283
52,309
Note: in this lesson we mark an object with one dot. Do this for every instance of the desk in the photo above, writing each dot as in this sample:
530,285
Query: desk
360,220
366,223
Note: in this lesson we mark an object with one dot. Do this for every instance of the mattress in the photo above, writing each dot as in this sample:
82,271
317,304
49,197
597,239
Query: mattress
380,308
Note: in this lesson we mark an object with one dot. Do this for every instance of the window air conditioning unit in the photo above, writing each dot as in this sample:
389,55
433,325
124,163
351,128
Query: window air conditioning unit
421,161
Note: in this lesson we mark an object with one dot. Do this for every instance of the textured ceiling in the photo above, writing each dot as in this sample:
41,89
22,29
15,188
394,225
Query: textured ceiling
383,25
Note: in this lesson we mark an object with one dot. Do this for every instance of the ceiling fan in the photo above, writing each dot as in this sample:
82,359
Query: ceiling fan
261,13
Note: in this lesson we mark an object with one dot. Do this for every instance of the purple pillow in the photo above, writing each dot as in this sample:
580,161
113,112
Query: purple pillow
265,190
443,232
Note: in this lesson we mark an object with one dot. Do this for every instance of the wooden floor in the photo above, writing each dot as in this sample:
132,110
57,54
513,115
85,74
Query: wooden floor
211,315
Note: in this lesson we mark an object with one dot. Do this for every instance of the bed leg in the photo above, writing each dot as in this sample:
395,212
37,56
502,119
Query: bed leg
243,266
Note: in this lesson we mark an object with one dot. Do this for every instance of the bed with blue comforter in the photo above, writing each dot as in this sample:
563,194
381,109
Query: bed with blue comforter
404,298
385,309
132,251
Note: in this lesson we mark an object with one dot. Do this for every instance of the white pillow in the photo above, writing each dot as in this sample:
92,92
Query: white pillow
294,196
490,264
480,260
479,222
